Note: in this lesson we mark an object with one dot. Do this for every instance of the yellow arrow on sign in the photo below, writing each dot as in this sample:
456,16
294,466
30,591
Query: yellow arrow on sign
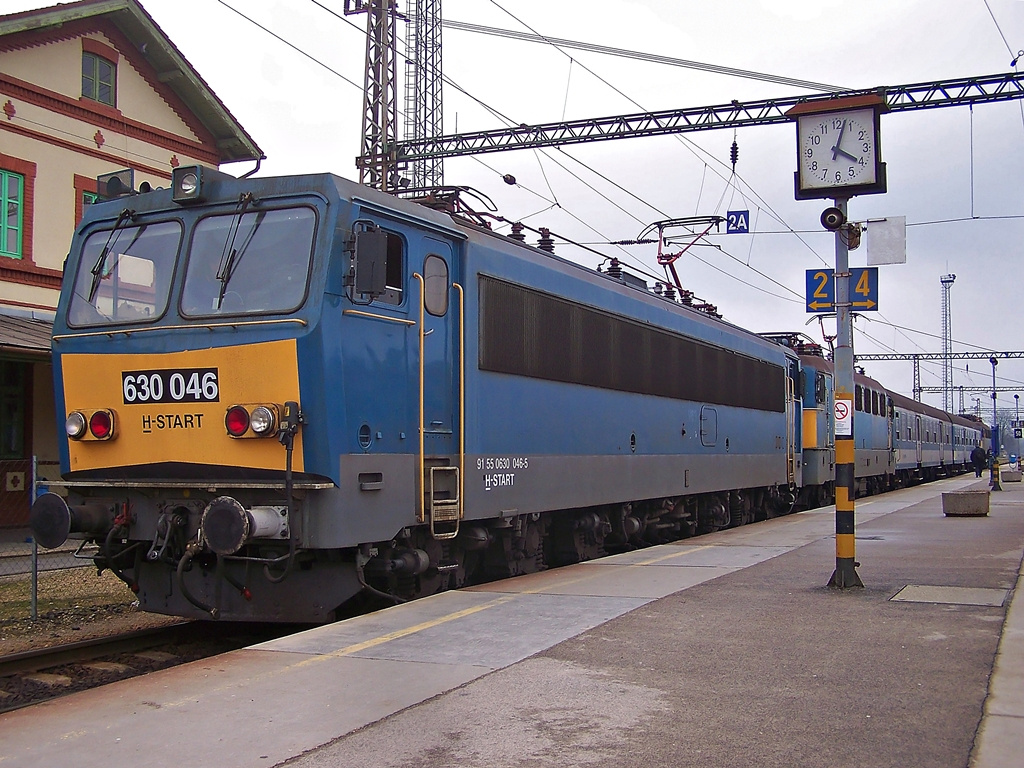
869,304
820,305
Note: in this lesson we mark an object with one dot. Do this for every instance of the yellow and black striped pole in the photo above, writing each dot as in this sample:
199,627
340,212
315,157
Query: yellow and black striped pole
845,575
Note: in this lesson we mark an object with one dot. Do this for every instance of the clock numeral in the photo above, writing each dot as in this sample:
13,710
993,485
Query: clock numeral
815,140
839,176
814,165
852,172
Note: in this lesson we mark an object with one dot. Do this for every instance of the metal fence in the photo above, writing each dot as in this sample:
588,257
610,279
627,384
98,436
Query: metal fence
36,581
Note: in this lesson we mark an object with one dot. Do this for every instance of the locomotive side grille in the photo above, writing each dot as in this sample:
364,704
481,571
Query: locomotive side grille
528,333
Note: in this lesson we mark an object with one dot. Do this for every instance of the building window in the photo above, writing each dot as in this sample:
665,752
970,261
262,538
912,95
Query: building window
88,198
99,79
85,195
12,201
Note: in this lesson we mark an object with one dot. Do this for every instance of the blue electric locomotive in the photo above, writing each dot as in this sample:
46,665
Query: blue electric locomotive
281,393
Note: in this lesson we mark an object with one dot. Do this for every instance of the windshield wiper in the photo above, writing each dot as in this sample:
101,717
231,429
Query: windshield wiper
232,257
99,267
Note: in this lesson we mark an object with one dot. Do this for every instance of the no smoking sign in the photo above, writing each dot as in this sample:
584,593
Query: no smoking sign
844,416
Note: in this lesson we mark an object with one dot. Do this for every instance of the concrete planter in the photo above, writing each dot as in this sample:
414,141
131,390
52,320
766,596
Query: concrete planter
965,504
1010,476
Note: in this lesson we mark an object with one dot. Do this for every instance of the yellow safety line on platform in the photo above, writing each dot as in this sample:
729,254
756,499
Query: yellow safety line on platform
654,560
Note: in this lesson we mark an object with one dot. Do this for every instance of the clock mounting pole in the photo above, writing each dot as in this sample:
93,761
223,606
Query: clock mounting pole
845,575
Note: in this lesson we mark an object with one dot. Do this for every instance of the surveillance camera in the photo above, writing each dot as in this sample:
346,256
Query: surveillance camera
832,219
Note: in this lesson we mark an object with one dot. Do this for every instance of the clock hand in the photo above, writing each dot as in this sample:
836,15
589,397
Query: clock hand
835,148
837,151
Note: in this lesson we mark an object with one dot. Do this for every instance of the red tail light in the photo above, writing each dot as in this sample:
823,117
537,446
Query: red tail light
237,421
101,425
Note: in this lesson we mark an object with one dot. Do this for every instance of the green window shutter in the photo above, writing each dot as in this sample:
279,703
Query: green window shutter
12,203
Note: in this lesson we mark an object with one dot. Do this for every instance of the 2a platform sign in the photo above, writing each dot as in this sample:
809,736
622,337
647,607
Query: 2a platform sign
737,222
821,290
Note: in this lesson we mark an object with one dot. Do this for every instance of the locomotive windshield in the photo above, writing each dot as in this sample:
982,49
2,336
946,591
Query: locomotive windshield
242,263
249,263
124,275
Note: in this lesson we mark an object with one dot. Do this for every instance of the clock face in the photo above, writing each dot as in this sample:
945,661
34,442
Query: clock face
837,150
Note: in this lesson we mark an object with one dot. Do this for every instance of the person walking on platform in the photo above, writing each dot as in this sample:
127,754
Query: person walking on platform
978,459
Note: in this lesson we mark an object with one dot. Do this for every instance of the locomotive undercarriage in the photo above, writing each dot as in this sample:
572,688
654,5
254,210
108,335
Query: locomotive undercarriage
414,565
182,559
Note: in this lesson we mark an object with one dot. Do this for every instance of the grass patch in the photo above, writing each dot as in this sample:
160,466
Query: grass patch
61,590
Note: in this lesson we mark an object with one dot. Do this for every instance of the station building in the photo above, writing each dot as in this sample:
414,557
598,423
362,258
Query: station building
86,89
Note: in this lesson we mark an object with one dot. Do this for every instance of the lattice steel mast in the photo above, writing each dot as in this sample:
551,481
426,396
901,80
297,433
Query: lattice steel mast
378,160
423,106
947,344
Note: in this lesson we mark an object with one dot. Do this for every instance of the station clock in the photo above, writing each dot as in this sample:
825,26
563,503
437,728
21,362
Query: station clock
838,154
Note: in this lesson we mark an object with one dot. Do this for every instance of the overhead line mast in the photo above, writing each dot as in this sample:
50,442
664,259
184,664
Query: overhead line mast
378,160
423,81
947,343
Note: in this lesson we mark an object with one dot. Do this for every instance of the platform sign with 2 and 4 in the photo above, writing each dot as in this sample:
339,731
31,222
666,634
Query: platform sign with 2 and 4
821,290
737,222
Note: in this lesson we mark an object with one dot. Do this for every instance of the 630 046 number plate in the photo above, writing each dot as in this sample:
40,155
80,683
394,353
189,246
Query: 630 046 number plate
192,385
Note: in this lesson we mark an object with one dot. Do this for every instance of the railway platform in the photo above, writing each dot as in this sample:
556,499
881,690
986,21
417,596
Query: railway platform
723,650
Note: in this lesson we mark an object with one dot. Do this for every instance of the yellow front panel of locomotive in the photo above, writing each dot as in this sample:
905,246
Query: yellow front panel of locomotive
190,431
810,428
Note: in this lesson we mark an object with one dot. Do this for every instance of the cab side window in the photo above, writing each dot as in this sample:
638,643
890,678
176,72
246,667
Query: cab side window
819,388
394,271
435,284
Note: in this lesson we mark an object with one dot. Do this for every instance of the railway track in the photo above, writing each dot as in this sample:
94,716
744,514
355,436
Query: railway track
33,677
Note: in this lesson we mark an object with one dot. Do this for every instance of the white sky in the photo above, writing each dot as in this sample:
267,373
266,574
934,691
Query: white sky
307,119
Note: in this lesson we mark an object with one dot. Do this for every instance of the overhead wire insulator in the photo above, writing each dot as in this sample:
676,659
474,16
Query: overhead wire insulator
734,154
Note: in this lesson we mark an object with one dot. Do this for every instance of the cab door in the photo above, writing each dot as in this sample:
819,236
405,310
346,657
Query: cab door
440,347
439,366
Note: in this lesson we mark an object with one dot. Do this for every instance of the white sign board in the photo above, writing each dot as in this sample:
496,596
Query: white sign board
844,417
887,240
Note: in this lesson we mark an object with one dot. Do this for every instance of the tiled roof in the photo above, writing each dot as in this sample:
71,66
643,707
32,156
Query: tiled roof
26,335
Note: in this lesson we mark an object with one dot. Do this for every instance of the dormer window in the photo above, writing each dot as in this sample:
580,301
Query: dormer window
99,79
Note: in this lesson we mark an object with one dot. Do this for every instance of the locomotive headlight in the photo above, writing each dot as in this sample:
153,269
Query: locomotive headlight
263,420
91,425
187,184
253,420
75,425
